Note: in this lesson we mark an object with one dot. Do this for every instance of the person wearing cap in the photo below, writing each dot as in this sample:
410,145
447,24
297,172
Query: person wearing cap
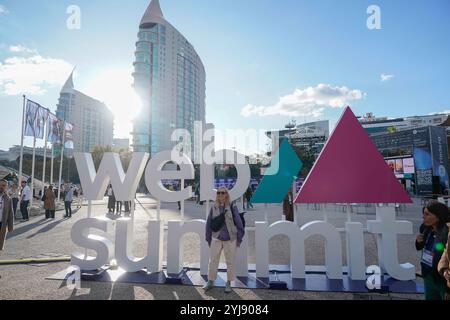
431,241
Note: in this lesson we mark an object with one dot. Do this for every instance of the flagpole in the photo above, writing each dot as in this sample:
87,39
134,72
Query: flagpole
61,163
21,141
45,156
32,171
51,165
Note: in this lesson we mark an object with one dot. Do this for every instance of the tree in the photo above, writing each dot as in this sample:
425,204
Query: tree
97,154
308,159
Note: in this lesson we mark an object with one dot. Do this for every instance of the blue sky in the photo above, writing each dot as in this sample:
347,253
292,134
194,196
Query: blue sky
254,51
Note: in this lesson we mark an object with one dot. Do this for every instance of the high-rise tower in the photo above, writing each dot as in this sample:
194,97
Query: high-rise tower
170,79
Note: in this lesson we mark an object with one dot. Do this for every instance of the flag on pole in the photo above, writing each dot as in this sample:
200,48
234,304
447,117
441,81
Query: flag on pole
54,129
36,117
68,144
30,116
41,119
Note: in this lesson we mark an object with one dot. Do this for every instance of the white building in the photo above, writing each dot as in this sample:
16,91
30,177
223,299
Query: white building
170,79
121,144
375,125
311,136
93,121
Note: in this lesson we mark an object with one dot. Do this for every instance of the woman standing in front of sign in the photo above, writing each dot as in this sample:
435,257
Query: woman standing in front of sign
431,240
224,232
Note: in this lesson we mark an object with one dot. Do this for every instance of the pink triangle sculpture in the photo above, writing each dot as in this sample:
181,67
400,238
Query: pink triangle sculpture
350,169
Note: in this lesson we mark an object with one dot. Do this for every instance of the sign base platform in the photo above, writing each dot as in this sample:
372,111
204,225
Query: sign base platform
280,279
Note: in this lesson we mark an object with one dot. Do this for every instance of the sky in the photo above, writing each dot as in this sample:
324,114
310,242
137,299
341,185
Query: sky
267,62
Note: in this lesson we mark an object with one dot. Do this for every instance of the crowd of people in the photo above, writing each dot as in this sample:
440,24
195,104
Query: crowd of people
21,198
117,207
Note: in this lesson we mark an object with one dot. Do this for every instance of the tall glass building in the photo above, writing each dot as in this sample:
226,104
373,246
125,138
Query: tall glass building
170,79
93,121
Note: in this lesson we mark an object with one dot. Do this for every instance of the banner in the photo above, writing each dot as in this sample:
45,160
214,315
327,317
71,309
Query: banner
30,119
36,117
41,119
69,136
423,161
54,129
439,152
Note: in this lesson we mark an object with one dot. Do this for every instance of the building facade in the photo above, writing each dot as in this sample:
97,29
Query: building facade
374,125
418,157
309,136
93,121
121,144
170,79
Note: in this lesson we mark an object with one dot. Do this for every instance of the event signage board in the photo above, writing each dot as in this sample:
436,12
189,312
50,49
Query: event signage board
94,183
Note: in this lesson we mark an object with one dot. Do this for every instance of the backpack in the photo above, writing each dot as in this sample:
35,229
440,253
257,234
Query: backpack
241,214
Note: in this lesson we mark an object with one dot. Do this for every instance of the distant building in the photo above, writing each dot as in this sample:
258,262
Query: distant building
4,155
121,144
93,121
170,79
374,125
14,152
418,157
310,136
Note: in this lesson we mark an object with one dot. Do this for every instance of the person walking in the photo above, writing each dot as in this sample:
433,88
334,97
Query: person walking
248,197
224,232
13,193
68,199
119,208
444,265
111,199
127,205
288,207
25,199
433,235
6,213
49,203
197,193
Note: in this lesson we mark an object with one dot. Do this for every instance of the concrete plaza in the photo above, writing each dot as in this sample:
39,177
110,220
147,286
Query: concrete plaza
51,239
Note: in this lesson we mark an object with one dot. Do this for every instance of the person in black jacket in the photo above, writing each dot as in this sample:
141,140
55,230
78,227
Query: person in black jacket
431,241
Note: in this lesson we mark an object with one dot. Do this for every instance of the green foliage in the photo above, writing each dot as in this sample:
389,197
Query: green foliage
307,158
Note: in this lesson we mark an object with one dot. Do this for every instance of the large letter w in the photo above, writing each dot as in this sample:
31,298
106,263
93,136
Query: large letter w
110,171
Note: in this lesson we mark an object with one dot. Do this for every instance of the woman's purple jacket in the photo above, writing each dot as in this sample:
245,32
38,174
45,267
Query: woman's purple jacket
223,233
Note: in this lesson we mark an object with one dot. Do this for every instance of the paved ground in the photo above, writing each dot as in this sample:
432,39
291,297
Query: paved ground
39,238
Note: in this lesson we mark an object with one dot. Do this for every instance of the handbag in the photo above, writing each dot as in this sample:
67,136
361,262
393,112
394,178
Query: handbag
217,223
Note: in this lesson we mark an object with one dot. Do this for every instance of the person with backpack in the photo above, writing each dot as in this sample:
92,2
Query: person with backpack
224,232
431,241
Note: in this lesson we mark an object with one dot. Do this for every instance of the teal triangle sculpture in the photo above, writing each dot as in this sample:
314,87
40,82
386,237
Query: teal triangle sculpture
278,179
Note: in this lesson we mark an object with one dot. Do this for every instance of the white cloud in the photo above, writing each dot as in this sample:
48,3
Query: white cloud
3,9
31,74
310,102
22,49
386,77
